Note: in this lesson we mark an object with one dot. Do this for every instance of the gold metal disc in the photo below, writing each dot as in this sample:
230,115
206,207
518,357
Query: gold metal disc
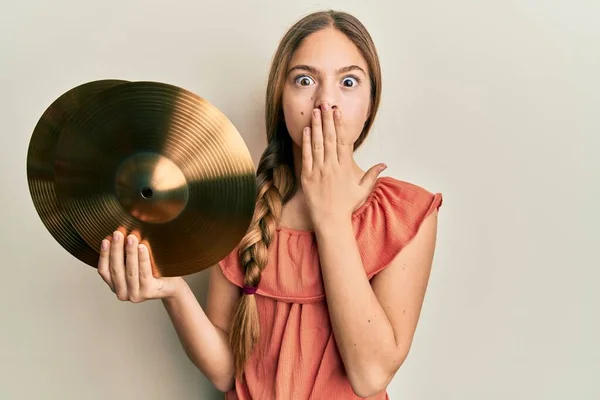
158,160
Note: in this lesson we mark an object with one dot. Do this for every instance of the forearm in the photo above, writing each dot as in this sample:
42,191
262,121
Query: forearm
362,330
205,344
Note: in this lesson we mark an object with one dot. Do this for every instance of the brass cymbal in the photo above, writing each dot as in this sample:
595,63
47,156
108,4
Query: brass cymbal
40,168
161,161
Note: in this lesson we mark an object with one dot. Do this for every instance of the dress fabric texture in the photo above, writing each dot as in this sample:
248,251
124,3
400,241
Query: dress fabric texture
296,357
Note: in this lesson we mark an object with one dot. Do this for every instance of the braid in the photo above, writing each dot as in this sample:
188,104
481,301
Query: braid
253,249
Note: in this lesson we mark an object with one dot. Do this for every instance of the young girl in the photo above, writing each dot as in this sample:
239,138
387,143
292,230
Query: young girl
322,296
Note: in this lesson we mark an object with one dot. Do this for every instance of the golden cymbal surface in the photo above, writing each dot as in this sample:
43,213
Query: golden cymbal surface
160,161
40,168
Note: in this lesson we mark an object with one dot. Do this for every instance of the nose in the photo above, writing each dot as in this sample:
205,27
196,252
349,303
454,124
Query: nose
326,95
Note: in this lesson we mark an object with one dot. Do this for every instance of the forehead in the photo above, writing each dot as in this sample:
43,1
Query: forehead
328,49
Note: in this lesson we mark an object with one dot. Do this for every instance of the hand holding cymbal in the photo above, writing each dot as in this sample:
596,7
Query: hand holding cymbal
127,267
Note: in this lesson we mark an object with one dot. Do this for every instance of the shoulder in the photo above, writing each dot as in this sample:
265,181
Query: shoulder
402,198
390,218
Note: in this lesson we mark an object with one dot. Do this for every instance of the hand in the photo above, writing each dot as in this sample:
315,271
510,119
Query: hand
126,267
330,187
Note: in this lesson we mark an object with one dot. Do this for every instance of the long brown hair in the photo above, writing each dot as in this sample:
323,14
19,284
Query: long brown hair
275,173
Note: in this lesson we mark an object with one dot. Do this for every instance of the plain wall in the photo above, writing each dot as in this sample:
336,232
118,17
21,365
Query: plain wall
493,103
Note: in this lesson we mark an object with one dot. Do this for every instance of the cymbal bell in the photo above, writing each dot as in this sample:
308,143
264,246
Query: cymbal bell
158,160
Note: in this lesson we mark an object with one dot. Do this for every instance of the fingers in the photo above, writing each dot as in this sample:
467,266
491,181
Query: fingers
307,160
145,267
329,134
370,177
132,277
344,147
104,262
317,139
116,266
125,264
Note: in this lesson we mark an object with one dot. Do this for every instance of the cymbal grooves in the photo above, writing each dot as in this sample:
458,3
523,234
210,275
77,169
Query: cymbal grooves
40,169
151,158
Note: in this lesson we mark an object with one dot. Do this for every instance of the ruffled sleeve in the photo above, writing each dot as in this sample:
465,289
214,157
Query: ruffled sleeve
232,268
390,219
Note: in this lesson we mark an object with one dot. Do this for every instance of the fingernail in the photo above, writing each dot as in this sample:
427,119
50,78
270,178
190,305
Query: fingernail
129,241
116,236
383,167
336,114
325,106
306,131
105,244
316,112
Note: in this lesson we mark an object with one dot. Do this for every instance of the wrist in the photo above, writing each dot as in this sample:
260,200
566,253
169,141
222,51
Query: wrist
332,224
173,288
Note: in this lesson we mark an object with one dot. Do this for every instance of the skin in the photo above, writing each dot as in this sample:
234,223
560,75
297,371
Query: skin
373,321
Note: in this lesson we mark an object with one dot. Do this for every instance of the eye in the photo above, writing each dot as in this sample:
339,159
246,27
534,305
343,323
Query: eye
350,81
303,80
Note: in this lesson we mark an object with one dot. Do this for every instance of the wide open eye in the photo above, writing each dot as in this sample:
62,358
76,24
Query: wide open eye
304,80
350,81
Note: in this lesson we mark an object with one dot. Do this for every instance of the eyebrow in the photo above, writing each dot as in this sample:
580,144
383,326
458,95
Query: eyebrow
313,70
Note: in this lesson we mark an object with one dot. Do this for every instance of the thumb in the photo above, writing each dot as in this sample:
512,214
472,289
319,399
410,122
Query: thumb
371,175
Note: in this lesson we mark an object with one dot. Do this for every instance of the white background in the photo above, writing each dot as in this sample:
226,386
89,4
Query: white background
493,103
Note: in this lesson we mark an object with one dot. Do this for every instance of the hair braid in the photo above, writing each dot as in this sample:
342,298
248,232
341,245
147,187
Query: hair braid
253,248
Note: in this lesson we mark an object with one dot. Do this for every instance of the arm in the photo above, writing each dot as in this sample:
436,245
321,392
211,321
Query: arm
205,336
374,323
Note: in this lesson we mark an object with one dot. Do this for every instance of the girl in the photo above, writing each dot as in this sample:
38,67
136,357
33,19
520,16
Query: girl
322,296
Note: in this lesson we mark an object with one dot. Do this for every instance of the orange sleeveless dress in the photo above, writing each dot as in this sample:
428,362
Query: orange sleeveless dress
296,357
